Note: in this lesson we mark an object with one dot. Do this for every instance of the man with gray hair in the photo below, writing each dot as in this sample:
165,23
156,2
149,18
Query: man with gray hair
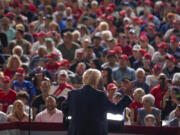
62,88
89,106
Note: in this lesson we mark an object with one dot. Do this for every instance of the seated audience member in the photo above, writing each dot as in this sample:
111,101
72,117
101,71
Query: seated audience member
148,102
136,103
39,101
17,50
159,57
20,84
62,89
147,64
149,120
123,71
13,63
152,80
51,113
170,100
18,114
23,96
65,65
26,45
52,64
140,80
176,120
160,90
38,59
170,67
111,60
116,97
176,80
3,117
111,90
106,76
7,95
76,79
138,63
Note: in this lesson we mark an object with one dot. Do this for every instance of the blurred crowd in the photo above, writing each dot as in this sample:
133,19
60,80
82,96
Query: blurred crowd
47,45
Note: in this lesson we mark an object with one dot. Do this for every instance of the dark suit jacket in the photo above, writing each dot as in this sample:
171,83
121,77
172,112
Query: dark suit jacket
88,108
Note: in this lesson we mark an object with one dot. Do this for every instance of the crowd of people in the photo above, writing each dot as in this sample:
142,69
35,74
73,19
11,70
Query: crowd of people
47,45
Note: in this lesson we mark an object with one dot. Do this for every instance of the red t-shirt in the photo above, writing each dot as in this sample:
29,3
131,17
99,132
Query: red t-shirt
135,105
127,50
77,13
9,73
7,99
158,93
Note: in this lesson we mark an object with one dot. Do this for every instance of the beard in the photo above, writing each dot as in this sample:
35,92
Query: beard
50,108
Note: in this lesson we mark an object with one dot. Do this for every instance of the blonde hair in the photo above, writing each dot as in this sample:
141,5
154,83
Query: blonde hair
11,58
139,91
15,104
103,26
90,76
20,26
149,116
17,47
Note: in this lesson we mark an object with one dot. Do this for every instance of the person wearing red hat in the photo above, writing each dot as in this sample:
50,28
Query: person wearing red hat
174,48
111,89
152,79
147,64
170,67
40,42
138,63
20,84
144,42
112,27
123,71
7,95
52,64
65,65
159,56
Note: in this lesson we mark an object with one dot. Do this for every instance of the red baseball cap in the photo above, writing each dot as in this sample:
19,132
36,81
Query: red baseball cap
144,38
163,45
110,18
123,12
6,79
147,56
65,63
171,58
53,55
20,71
173,39
135,19
111,86
118,49
157,67
41,34
10,15
124,57
109,9
111,52
151,17
142,51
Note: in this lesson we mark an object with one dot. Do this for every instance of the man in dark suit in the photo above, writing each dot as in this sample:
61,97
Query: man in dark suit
88,107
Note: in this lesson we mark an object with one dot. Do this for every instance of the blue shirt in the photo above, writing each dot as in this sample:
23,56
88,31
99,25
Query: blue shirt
118,75
25,86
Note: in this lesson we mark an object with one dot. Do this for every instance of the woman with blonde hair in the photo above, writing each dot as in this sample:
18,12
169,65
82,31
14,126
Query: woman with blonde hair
18,114
13,63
